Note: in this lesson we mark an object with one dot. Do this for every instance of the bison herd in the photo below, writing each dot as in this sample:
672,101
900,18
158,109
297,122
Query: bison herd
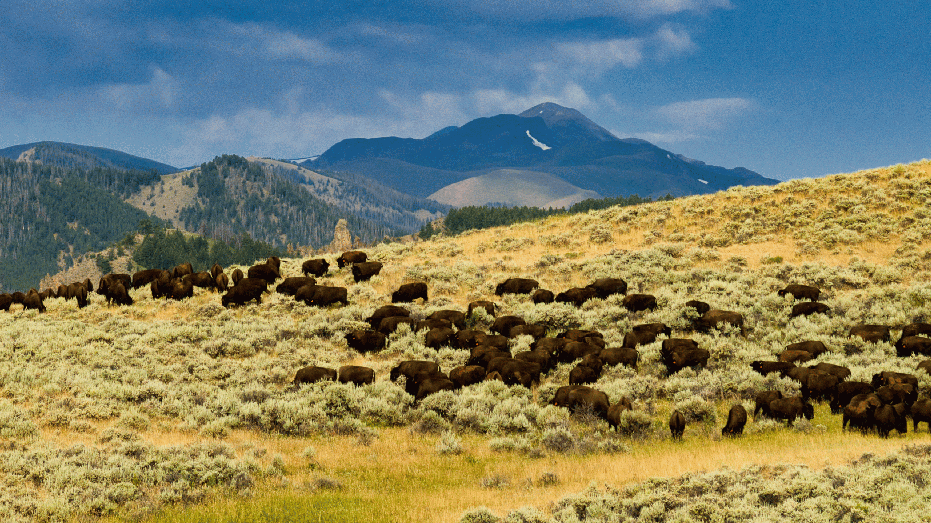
882,405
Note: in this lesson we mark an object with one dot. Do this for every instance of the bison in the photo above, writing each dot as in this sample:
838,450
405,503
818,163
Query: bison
410,292
386,311
605,287
263,271
765,367
356,374
317,267
714,319
617,410
313,374
911,345
542,296
364,271
736,420
801,292
365,341
639,302
350,258
516,286
467,375
145,277
322,295
502,325
576,296
482,304
676,424
242,294
290,285
699,306
807,308
790,409
846,390
441,337
678,353
456,318
620,356
762,401
389,325
871,333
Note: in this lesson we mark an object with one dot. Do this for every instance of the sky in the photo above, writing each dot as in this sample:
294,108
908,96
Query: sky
785,88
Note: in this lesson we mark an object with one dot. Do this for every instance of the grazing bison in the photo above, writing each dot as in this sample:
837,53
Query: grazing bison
216,270
540,357
820,385
815,348
765,367
736,420
103,288
678,353
322,295
713,319
350,258
891,378
840,371
583,374
467,375
921,412
576,296
441,337
762,400
925,366
801,292
410,368
483,356
454,317
639,302
617,410
469,339
34,301
242,294
535,330
389,325
889,417
482,304
808,308
237,276
182,270
913,345
313,374
6,301
410,292
386,311
365,341
542,296
859,412
581,398
290,285
364,271
356,374
605,287
432,386
676,424
317,267
644,334
846,390
116,293
795,356
790,409
871,333
201,279
699,306
574,350
620,356
222,282
502,325
913,329
181,289
520,372
145,277
429,324
263,271
516,286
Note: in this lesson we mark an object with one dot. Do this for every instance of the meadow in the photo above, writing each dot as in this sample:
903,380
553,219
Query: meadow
163,411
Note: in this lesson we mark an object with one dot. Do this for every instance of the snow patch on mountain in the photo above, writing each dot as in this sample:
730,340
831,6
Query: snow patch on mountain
538,143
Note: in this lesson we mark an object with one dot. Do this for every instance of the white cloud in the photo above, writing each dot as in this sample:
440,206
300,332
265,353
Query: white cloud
602,56
562,10
710,113
672,40
161,92
282,45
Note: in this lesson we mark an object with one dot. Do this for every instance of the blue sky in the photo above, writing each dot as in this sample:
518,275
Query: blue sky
787,89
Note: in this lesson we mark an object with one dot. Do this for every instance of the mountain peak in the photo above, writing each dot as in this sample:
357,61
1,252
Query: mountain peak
556,115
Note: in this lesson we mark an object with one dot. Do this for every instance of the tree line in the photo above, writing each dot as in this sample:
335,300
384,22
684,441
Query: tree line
471,217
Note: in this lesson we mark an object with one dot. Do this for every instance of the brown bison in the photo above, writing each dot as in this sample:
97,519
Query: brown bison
469,339
313,374
576,296
678,353
6,301
801,292
871,333
808,308
290,286
616,410
620,356
410,292
639,302
437,338
386,311
263,271
317,267
365,271
736,420
542,296
356,374
350,258
762,401
605,287
676,424
388,325
913,345
145,277
714,319
237,276
242,294
467,375
790,409
503,324
182,270
34,301
699,306
365,341
482,304
322,295
765,367
516,286
456,318
846,390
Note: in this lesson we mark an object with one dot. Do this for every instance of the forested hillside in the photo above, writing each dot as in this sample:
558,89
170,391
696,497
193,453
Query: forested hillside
56,214
235,196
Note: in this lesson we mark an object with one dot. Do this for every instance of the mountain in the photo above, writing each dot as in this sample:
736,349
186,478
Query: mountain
513,188
547,138
70,155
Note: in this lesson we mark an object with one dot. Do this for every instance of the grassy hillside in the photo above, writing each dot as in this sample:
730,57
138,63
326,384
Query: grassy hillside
168,411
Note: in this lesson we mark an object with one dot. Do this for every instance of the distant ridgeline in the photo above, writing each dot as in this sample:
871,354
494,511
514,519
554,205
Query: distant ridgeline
53,215
236,195
483,217
161,249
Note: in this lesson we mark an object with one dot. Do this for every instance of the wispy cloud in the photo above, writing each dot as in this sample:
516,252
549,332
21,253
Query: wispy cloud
561,10
710,113
284,45
161,92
